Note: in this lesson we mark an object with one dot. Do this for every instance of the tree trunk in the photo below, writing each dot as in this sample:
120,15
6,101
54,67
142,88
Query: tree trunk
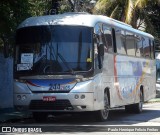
134,20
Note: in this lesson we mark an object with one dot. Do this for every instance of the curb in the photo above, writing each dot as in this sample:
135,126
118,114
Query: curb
154,100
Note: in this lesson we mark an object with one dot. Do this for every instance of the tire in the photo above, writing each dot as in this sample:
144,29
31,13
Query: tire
136,108
139,106
102,115
40,116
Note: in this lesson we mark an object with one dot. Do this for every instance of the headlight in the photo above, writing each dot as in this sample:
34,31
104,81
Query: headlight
20,80
24,97
18,97
76,96
82,96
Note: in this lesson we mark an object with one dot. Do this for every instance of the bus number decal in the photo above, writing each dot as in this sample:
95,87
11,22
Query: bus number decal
59,87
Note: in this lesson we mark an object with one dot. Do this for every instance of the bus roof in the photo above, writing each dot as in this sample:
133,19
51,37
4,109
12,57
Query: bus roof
83,19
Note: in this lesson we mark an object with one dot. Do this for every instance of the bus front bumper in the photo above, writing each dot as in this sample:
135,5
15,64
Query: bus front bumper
63,102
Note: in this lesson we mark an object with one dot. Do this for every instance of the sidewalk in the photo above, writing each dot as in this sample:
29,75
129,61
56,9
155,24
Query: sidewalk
154,100
11,114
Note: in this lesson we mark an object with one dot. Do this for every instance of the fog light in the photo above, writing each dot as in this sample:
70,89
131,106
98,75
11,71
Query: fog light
24,97
76,96
18,97
82,96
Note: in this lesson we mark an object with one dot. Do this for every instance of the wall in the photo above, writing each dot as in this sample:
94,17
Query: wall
6,82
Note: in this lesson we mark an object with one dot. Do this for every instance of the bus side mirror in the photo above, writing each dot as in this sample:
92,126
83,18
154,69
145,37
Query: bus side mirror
100,56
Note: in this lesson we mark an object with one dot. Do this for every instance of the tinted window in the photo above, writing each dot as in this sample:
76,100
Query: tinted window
99,43
130,43
107,36
53,49
151,48
120,41
139,46
98,34
146,47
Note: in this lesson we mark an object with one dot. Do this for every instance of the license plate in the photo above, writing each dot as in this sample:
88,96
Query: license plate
49,99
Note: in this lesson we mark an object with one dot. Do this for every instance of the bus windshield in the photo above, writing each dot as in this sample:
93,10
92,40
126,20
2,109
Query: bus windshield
53,49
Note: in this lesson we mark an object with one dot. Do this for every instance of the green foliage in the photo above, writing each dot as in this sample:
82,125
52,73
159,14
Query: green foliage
123,10
153,13
134,12
12,12
38,7
141,14
64,6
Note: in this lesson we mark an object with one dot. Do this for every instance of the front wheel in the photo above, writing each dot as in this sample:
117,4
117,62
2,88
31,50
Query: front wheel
102,115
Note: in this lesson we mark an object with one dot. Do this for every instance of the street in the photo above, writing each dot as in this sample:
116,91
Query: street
86,124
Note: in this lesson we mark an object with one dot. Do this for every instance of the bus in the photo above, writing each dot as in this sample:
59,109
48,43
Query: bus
78,62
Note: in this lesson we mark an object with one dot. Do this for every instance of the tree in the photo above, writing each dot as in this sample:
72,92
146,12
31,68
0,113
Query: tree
38,7
128,11
80,5
12,13
153,13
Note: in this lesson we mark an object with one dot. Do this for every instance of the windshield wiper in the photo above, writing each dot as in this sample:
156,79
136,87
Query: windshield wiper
65,63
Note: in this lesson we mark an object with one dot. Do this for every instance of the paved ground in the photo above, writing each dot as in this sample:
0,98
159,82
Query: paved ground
11,114
85,125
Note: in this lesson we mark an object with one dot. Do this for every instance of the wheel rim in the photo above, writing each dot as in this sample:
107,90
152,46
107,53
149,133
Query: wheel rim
141,102
105,111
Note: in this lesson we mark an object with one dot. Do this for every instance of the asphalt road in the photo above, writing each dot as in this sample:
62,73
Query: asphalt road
85,124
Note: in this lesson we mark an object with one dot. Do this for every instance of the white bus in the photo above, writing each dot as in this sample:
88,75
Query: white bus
77,62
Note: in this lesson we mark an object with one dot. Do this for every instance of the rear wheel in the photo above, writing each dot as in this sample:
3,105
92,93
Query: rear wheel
102,115
136,108
139,106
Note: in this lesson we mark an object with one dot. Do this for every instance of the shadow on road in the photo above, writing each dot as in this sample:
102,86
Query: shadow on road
116,117
87,123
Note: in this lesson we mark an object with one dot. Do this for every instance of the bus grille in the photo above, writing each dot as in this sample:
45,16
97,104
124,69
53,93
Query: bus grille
56,105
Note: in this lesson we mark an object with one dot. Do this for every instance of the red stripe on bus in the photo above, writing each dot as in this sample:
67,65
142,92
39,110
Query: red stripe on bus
116,78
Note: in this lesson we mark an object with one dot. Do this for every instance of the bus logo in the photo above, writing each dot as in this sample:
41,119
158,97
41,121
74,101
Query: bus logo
6,129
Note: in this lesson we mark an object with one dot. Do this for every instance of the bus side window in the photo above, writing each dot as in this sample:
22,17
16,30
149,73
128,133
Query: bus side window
120,41
146,47
98,35
139,46
107,36
130,43
151,48
98,46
